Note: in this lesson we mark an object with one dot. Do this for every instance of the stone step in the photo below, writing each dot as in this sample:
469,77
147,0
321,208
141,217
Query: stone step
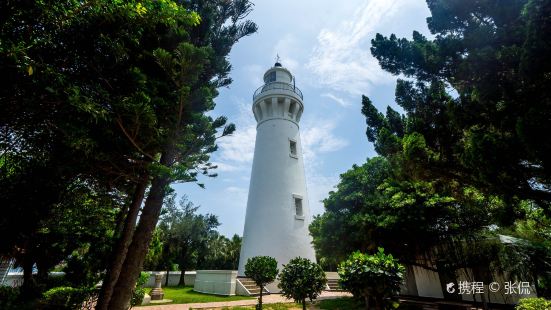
248,282
333,285
251,286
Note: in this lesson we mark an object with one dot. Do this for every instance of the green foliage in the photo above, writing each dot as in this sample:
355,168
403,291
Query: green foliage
139,291
376,276
533,304
154,256
186,295
474,109
9,297
186,237
66,297
486,134
100,96
262,269
219,252
371,207
343,303
301,279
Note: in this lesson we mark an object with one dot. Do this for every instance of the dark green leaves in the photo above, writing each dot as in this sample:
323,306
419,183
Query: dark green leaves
262,269
301,279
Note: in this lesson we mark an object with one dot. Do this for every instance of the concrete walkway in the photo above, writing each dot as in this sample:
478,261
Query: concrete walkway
269,299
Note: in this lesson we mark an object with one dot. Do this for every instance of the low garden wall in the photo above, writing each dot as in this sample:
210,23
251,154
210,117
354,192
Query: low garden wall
218,282
173,278
14,279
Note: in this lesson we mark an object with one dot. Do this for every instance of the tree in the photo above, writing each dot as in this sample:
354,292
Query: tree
377,276
194,70
74,108
301,279
185,232
91,92
263,270
489,53
474,105
372,207
219,252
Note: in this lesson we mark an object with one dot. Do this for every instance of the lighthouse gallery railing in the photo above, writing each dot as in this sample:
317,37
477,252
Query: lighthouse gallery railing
277,85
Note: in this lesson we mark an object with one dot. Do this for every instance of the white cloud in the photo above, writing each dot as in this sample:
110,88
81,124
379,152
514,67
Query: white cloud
318,139
255,74
287,46
237,150
236,190
340,101
319,187
342,60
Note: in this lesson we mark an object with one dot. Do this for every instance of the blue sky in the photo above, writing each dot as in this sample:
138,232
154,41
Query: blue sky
326,45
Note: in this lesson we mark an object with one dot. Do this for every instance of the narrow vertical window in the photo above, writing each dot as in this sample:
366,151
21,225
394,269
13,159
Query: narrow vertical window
298,207
293,148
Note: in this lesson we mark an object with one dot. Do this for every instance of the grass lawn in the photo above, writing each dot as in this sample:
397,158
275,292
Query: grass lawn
278,306
329,304
344,303
186,295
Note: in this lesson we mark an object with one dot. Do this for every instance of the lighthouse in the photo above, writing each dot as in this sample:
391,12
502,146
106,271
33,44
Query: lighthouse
278,215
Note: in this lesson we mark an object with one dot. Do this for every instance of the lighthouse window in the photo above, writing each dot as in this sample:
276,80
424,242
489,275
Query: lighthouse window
293,148
298,206
271,77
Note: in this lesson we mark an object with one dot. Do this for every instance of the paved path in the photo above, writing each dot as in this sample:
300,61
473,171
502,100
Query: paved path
269,299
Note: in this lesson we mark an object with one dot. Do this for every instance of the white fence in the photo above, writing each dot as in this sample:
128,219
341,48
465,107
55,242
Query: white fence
16,278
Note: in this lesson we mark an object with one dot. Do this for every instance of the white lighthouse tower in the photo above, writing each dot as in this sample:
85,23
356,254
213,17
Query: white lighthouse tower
277,218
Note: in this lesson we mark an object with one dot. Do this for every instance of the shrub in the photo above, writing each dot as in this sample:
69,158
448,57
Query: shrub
375,276
263,270
8,297
66,297
533,304
301,279
139,292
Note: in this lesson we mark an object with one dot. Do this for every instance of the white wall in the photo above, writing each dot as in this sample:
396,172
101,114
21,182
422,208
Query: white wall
218,282
16,278
173,280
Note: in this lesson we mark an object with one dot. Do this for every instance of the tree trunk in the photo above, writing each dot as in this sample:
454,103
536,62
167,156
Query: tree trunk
41,273
28,286
182,281
122,293
304,304
260,298
122,245
167,275
366,298
182,265
378,303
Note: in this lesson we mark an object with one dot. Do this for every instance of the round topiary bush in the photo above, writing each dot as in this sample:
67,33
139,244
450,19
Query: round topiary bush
66,297
377,277
301,279
263,270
